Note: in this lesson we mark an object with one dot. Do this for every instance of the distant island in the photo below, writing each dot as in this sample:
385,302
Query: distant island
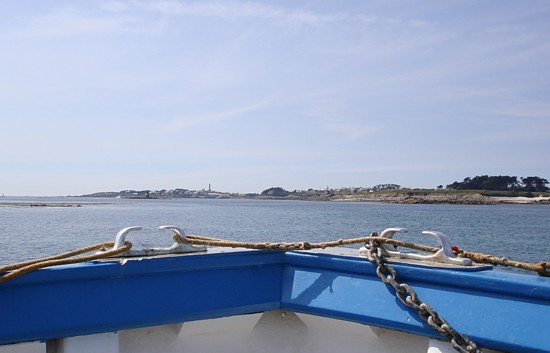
480,190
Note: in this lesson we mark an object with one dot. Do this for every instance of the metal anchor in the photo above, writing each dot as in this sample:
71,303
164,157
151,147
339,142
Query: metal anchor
443,255
176,248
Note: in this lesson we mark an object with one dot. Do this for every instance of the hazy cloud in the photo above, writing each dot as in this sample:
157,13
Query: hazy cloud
71,22
525,110
351,131
234,9
114,6
183,122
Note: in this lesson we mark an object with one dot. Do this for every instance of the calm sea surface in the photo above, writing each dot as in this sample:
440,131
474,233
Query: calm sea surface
519,232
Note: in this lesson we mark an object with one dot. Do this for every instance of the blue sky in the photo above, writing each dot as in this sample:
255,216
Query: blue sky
108,95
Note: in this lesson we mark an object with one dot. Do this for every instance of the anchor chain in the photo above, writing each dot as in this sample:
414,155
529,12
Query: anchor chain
409,298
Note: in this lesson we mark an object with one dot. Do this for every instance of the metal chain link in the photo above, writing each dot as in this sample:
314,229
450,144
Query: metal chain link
409,298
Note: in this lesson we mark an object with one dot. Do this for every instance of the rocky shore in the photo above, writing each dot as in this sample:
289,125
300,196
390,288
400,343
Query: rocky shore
440,198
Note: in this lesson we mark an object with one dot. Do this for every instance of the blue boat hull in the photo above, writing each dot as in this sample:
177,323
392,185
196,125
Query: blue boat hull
498,309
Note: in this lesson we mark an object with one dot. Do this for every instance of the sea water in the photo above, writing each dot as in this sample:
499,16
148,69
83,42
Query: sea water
518,232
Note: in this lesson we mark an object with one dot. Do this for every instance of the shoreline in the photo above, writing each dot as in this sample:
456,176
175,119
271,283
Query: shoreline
383,197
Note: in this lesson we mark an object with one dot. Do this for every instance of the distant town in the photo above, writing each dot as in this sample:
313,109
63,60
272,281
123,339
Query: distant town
274,192
482,189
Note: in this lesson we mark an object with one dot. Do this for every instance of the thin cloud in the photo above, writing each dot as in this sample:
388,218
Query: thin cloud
405,167
114,6
516,131
232,9
525,110
351,131
133,17
183,122
263,11
70,22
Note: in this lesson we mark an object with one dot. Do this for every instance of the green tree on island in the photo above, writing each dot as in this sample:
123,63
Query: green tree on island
501,183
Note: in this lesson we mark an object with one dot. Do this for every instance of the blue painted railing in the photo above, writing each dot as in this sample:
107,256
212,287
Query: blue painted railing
498,309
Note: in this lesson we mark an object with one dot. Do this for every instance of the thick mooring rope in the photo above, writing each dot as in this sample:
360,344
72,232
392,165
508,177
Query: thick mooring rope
21,268
542,268
202,240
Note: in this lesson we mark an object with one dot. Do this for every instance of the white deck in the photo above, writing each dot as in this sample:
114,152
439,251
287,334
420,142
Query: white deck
276,331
